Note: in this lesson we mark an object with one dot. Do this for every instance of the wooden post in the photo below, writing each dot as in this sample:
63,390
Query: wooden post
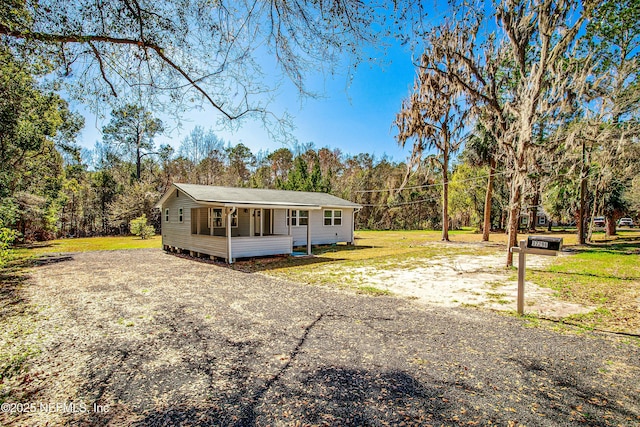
230,212
521,271
261,219
308,234
534,249
252,222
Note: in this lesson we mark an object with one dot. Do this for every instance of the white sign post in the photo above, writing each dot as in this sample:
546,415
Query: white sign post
534,246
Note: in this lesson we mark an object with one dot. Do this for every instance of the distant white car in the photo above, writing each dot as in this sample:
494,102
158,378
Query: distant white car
625,222
599,221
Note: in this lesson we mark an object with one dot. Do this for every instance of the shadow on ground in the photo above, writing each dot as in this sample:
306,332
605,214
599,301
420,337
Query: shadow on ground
258,264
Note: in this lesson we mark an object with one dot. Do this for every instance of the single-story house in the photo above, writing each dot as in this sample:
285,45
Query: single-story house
230,223
541,219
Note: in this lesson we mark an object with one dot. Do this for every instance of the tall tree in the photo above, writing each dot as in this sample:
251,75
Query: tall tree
32,121
280,162
131,130
607,123
511,78
241,160
433,117
481,149
199,145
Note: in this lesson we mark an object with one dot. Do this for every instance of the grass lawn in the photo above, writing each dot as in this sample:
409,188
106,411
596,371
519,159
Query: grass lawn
605,275
86,244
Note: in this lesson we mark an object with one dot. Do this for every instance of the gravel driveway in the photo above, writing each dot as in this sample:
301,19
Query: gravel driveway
153,339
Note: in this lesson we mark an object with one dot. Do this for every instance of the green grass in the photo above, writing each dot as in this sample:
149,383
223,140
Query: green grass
605,275
87,244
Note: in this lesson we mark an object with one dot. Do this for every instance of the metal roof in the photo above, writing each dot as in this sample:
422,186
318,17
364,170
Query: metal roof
258,197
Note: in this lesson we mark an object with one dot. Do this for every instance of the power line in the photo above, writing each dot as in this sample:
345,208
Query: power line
505,172
413,202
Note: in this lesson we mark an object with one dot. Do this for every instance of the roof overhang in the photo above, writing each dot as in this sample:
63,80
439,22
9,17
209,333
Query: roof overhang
249,204
258,204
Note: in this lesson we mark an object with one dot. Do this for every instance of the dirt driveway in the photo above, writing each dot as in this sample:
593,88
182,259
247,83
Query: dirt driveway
145,338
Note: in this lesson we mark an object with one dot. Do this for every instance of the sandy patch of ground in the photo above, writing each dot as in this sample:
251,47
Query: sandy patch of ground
479,280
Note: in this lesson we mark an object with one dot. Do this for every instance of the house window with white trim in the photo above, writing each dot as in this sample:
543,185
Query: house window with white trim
216,218
332,217
298,218
166,215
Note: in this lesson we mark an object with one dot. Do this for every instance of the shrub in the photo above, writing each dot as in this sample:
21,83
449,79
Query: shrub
139,227
7,236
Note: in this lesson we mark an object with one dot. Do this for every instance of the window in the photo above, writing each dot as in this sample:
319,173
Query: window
216,218
166,215
180,215
299,218
332,217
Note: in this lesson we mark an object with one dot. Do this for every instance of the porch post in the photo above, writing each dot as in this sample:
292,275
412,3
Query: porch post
198,219
252,222
210,221
353,226
230,212
308,233
261,220
289,222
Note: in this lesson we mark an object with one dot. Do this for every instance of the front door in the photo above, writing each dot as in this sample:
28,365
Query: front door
257,220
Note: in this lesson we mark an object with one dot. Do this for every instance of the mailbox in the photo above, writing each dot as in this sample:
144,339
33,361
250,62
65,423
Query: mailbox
545,243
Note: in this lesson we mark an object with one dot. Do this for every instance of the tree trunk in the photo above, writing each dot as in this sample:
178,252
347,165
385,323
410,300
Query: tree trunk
445,196
610,226
533,212
593,214
486,228
138,163
583,190
514,217
581,212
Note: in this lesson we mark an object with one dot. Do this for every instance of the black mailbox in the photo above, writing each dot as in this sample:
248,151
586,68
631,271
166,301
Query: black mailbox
544,243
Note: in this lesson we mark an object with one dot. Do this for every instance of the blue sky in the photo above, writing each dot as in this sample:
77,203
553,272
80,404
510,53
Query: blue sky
355,117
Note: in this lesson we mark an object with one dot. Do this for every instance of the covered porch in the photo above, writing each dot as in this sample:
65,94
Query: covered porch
231,232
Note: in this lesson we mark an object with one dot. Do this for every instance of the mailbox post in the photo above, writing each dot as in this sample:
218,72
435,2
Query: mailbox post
535,245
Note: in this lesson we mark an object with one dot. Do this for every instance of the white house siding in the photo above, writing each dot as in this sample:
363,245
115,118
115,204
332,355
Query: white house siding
243,247
180,235
177,234
210,245
320,234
